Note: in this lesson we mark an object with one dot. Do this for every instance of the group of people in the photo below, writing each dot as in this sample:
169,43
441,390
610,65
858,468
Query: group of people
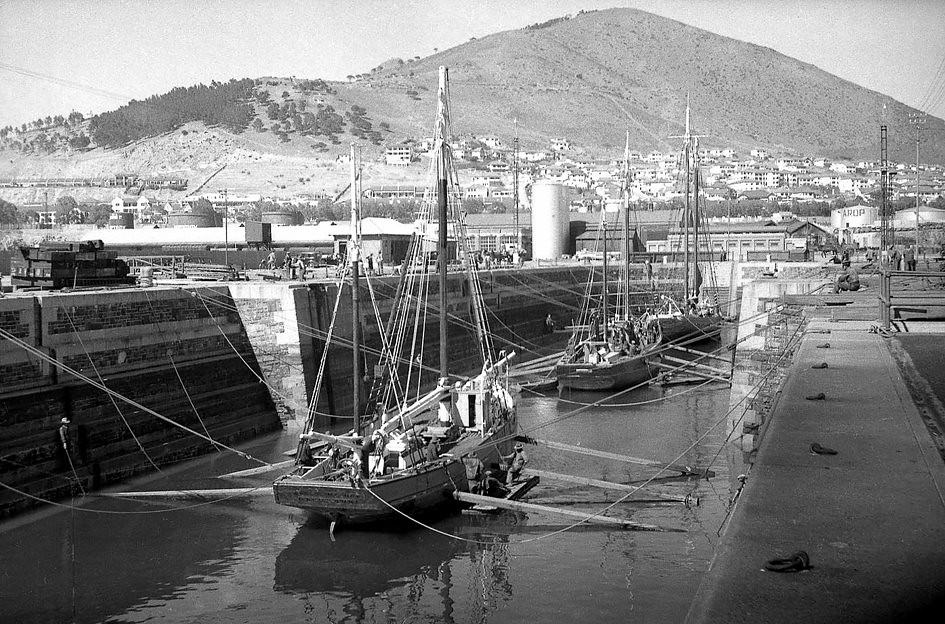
487,259
292,265
489,485
296,267
904,260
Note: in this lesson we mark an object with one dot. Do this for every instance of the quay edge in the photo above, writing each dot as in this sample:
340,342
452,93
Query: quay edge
871,518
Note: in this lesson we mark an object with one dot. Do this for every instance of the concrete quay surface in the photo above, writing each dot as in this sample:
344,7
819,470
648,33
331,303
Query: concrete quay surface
871,517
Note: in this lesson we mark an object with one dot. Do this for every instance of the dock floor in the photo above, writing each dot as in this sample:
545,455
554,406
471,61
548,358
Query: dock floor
871,517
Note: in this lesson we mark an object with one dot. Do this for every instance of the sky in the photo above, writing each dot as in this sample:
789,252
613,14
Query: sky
94,55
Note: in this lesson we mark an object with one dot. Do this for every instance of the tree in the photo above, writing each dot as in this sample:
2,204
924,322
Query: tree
99,214
258,125
9,214
67,209
79,142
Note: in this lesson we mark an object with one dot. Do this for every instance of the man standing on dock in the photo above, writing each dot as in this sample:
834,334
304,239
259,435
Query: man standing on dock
908,259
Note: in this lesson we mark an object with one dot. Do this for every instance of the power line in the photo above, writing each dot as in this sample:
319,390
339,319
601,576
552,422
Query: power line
66,83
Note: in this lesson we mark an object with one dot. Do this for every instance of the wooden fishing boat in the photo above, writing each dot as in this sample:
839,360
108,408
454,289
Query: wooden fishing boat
610,370
697,319
614,348
409,457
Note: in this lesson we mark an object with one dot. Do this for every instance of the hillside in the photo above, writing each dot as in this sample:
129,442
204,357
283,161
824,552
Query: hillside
587,78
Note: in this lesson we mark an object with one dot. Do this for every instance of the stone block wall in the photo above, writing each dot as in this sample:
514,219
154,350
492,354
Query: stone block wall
181,353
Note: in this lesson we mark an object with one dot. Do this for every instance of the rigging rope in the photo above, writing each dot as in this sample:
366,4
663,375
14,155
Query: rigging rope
111,398
51,360
176,371
242,492
600,512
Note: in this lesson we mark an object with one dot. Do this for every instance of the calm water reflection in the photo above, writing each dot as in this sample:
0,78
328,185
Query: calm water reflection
253,561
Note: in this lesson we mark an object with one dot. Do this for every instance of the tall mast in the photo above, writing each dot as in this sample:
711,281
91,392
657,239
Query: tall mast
442,202
696,284
354,256
626,228
687,137
686,214
606,286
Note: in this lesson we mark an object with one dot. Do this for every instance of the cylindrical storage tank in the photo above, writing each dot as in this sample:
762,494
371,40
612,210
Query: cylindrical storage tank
121,221
189,219
281,217
146,277
905,219
854,216
550,220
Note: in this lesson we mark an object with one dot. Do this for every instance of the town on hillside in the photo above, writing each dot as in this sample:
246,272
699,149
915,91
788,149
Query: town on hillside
742,194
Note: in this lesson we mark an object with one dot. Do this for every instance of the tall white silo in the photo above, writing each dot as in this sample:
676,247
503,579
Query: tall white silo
550,220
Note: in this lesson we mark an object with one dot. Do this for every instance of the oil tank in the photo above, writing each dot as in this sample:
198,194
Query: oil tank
121,221
853,216
550,220
281,217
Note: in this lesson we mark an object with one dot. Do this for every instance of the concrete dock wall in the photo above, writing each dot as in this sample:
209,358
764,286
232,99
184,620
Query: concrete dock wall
161,347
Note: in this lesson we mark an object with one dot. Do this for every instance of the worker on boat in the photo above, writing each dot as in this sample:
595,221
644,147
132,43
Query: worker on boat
517,461
305,452
431,451
334,458
490,486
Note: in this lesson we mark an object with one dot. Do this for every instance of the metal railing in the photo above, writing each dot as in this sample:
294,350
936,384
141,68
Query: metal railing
909,291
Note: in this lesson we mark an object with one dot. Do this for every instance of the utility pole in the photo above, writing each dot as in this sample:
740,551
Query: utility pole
886,239
518,228
917,119
226,237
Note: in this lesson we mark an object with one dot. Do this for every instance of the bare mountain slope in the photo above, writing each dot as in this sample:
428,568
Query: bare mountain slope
586,78
589,77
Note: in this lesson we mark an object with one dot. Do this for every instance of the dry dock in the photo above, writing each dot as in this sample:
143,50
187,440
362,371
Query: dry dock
871,517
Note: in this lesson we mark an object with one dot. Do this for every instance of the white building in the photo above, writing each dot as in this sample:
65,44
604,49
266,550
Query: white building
560,145
130,203
398,156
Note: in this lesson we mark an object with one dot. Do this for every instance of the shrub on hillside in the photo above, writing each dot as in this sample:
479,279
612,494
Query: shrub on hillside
225,104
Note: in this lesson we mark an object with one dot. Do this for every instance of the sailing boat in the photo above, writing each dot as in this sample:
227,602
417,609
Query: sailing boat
696,320
411,454
611,352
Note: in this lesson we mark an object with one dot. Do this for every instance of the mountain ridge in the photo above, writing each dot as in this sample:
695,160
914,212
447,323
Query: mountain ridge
587,78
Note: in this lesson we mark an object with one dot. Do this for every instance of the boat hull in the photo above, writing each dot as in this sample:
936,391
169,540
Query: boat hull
489,449
620,374
414,493
691,329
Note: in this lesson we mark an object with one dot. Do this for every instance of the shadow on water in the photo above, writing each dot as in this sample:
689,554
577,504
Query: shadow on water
404,574
360,562
118,562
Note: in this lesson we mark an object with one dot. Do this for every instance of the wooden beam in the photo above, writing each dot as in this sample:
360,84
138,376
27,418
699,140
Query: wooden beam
622,458
689,365
675,369
701,354
251,472
607,485
476,499
220,492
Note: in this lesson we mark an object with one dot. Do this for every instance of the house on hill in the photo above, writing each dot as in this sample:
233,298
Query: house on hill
130,204
398,156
